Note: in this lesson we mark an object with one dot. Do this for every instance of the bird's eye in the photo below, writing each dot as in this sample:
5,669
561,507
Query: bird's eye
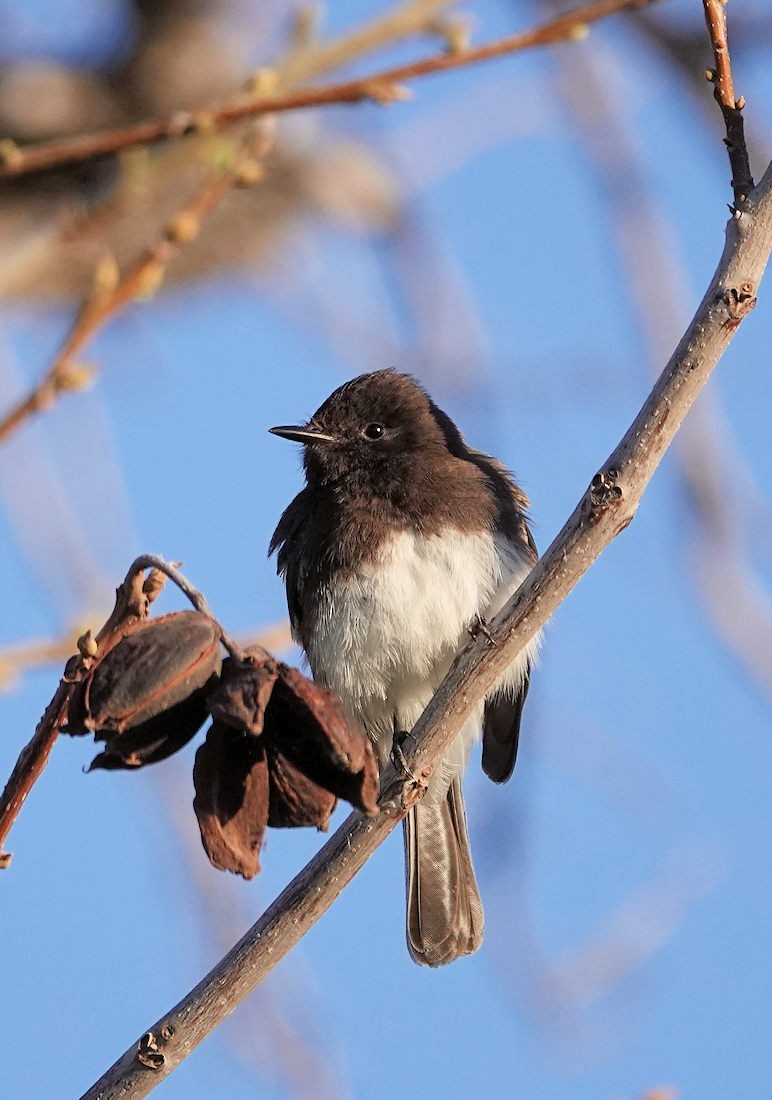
373,431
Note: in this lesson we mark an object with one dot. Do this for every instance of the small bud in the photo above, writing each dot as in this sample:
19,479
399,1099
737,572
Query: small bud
203,122
456,34
262,82
248,173
710,76
184,228
74,377
740,103
579,32
11,155
5,860
87,645
306,24
386,91
150,280
106,276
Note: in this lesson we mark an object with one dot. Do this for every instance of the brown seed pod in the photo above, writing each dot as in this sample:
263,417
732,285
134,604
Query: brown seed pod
241,696
146,697
154,666
312,728
231,780
294,799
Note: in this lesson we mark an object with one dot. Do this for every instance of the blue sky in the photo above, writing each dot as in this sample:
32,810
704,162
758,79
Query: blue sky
638,817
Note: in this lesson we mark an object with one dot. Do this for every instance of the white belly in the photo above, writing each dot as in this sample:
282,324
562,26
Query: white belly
387,634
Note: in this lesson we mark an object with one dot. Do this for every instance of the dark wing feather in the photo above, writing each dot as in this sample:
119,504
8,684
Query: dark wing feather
288,539
501,721
501,733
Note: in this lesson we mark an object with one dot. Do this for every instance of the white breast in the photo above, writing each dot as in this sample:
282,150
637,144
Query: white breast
387,633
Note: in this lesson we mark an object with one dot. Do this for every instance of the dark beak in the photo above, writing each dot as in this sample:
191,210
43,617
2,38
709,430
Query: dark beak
302,433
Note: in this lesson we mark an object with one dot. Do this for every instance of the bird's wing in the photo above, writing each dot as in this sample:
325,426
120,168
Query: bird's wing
501,732
501,721
288,539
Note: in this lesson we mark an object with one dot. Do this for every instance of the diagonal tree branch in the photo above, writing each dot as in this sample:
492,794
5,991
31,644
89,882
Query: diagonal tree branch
381,87
605,508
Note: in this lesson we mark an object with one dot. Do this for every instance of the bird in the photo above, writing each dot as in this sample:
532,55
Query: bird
404,540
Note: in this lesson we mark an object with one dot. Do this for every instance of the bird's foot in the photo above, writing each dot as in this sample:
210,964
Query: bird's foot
480,626
397,755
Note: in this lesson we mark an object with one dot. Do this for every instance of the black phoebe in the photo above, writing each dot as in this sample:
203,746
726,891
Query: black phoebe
403,540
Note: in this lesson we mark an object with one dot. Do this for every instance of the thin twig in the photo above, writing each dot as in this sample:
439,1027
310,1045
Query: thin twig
132,600
382,87
112,292
153,561
731,108
605,509
305,61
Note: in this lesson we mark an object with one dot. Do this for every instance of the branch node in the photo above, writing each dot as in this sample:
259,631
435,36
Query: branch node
739,301
148,1053
604,491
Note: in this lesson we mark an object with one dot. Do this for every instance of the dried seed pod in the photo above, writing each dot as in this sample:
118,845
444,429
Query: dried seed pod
294,799
311,727
240,698
154,666
155,739
231,780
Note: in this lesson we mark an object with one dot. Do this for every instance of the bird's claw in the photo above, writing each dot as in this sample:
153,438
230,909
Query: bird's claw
480,626
398,757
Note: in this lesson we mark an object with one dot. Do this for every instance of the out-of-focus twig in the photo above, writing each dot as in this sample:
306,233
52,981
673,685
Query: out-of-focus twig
731,108
382,87
305,60
112,291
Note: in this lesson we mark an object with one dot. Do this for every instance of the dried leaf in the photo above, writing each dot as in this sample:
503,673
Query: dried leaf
312,728
294,799
240,699
154,665
231,780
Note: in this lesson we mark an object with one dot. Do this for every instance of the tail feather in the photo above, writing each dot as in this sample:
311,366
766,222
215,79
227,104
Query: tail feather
444,911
